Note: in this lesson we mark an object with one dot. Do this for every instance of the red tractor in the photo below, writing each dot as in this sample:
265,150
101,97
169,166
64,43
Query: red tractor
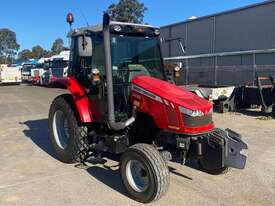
121,103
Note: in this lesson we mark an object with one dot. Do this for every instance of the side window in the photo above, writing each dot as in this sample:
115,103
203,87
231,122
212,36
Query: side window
98,59
72,56
81,67
77,63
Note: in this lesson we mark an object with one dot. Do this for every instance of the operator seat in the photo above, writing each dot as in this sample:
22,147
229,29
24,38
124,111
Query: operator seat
122,95
134,70
137,70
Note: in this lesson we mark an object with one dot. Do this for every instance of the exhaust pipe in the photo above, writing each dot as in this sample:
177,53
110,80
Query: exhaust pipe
109,77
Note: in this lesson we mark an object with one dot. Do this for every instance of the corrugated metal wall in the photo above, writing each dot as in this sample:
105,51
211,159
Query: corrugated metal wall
250,28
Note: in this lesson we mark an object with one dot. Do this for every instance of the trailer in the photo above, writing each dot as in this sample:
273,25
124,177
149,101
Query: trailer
211,93
230,99
9,75
261,96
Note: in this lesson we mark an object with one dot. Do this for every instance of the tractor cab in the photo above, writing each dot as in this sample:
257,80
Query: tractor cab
110,57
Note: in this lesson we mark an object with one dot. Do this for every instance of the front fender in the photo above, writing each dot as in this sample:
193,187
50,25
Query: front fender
81,100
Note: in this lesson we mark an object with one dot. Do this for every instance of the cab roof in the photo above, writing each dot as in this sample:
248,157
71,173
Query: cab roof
99,28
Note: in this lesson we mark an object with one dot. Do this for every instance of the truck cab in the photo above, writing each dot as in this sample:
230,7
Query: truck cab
26,70
59,66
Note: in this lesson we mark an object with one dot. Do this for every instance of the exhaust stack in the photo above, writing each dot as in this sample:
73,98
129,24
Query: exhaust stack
109,76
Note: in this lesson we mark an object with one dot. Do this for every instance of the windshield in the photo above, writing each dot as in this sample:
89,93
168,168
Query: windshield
57,72
40,66
136,56
59,64
46,65
27,68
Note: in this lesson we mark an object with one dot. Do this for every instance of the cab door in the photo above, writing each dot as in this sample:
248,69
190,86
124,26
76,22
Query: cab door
82,66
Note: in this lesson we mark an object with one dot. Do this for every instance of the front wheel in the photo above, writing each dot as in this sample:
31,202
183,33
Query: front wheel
144,173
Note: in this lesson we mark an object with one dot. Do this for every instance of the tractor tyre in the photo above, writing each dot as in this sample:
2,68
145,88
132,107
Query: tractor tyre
144,173
219,171
69,139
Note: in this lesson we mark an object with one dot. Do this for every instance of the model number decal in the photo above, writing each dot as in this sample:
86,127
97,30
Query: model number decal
146,93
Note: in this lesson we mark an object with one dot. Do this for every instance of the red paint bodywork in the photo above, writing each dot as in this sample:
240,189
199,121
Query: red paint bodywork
164,111
36,80
53,79
166,114
81,100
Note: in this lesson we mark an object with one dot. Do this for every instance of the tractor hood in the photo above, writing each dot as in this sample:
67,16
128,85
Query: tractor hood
168,92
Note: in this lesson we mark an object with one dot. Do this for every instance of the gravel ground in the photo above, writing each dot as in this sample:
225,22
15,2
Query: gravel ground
30,174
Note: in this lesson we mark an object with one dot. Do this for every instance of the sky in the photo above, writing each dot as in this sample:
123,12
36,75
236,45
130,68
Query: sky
40,22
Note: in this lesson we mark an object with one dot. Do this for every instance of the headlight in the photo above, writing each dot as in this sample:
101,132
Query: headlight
117,28
192,113
157,32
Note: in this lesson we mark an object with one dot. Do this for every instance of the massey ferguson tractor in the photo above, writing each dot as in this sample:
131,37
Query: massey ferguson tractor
120,102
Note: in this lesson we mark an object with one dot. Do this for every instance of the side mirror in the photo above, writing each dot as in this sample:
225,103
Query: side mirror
180,40
177,69
85,46
95,76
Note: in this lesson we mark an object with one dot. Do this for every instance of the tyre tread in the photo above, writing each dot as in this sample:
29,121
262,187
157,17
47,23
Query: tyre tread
81,145
159,165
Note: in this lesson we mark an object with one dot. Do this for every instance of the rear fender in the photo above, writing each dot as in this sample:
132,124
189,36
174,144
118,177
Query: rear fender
81,100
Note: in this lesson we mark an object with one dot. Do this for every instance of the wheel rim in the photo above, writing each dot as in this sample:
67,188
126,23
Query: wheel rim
137,176
60,129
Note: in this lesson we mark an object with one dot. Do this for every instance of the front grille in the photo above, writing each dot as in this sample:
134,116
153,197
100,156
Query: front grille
197,121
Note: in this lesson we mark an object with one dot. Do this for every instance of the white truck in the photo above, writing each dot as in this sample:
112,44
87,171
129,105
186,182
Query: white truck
38,71
10,75
44,73
59,66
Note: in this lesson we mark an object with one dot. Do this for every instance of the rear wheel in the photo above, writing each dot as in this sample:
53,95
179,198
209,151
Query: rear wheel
144,173
68,137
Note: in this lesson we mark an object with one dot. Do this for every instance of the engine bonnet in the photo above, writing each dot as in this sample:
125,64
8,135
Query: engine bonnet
172,93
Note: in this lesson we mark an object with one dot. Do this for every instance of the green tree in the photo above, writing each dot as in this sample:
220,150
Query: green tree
37,52
47,53
8,45
25,55
127,11
58,46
